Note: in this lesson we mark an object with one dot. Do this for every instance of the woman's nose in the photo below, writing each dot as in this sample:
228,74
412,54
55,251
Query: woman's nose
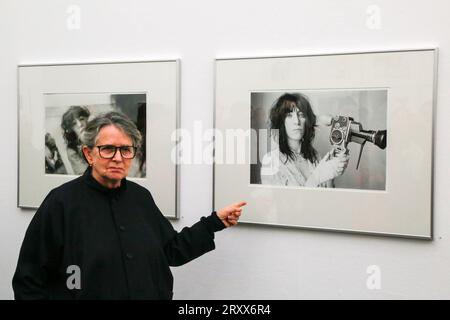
117,156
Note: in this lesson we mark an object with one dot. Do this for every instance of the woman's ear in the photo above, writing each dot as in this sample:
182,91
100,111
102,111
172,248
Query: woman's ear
87,155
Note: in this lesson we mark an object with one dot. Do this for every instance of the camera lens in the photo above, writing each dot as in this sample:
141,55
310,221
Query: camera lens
336,136
380,139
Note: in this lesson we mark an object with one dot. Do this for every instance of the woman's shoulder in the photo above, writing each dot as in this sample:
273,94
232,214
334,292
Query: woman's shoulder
56,200
139,192
69,186
61,196
137,188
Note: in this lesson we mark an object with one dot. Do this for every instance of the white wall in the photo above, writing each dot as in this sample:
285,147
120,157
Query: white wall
250,261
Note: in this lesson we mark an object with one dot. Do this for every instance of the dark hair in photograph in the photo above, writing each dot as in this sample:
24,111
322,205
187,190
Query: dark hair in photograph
74,112
284,105
141,126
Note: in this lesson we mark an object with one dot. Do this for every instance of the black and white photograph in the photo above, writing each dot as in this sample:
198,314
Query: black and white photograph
56,103
337,141
66,115
320,138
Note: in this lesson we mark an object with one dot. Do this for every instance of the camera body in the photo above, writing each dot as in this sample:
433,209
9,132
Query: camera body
345,130
340,132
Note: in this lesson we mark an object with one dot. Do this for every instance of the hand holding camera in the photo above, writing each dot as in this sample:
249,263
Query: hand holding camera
330,167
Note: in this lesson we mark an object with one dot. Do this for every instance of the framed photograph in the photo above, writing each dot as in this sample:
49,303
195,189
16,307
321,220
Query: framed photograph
340,142
55,103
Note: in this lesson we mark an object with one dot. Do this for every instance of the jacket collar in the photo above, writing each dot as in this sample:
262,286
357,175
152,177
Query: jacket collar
91,182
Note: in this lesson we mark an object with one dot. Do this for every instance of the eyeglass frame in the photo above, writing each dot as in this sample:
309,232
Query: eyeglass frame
115,151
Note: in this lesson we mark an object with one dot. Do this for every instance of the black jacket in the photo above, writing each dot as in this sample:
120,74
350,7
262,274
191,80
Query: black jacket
118,238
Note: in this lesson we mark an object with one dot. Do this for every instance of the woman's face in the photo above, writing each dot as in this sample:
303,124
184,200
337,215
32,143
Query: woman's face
109,170
78,124
295,124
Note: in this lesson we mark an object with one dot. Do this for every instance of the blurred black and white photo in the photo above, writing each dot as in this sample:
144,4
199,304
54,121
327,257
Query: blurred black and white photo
66,115
320,138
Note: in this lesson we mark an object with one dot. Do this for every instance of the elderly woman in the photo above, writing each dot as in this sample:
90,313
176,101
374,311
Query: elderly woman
295,162
101,236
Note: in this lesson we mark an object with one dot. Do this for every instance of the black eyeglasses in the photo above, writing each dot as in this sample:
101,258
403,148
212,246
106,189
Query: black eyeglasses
109,151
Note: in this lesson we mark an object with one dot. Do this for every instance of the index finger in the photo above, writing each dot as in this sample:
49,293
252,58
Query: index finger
240,204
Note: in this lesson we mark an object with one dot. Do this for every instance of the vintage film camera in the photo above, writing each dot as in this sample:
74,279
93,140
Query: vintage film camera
345,130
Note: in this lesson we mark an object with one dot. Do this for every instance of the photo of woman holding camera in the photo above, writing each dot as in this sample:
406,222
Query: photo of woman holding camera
296,162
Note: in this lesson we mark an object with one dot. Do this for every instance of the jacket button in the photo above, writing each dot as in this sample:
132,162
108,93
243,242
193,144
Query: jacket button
121,228
129,256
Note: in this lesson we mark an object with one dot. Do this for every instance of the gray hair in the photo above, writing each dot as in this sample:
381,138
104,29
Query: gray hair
119,120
